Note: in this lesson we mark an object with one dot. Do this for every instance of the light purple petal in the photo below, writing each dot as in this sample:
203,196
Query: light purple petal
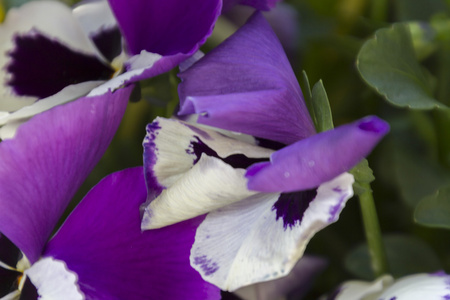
101,241
246,242
257,4
50,156
165,27
247,85
312,161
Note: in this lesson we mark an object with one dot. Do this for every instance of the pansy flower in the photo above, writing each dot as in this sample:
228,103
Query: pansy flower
435,286
51,53
263,205
99,252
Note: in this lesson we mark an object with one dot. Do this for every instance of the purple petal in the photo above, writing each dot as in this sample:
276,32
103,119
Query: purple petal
317,159
247,85
258,4
165,27
46,162
101,241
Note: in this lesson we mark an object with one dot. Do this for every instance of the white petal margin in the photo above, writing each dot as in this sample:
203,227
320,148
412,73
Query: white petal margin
209,185
51,18
243,243
419,287
53,280
12,121
362,290
171,141
94,16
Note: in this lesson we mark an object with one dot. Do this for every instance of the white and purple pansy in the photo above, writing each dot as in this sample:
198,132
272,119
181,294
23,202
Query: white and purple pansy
99,252
249,234
265,198
435,286
53,53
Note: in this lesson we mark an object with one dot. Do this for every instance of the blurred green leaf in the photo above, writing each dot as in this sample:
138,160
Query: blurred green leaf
405,254
388,64
419,10
434,210
416,175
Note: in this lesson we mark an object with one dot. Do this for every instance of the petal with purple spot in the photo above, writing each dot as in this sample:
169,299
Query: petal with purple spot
48,159
122,261
247,85
319,158
165,27
245,242
51,19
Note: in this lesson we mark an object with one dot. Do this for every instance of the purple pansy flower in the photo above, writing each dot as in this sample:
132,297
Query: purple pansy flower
434,286
263,206
100,251
55,54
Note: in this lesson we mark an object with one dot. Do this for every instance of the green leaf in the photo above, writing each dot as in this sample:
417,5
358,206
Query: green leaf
434,210
321,107
306,89
388,64
405,254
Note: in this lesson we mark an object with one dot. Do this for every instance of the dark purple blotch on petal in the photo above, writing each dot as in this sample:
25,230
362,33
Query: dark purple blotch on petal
41,67
8,281
29,291
336,209
207,265
446,297
9,253
236,160
292,206
108,42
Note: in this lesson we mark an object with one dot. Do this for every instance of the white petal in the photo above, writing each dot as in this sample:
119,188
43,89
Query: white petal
53,280
363,290
244,243
419,287
209,185
51,18
94,16
173,142
69,93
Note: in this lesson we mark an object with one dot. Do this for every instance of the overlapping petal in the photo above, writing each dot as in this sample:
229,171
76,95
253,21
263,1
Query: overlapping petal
53,23
204,177
413,287
319,158
165,27
247,85
257,4
101,241
245,242
48,159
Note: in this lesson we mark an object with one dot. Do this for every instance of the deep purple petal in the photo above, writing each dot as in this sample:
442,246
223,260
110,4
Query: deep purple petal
102,242
165,27
247,85
317,159
258,4
50,156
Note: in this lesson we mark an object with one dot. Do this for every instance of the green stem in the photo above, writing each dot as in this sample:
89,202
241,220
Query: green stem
378,10
373,232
